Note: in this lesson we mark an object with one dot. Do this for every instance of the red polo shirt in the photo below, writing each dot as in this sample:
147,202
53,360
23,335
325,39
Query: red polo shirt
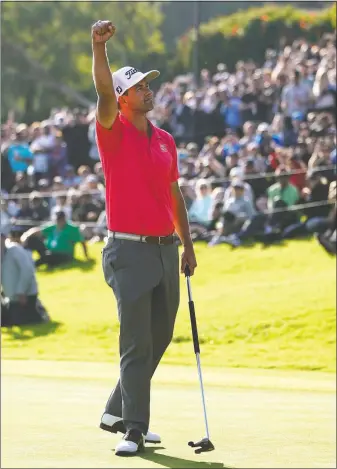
138,174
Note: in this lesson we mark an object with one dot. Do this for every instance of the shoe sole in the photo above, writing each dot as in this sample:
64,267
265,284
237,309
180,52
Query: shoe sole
119,427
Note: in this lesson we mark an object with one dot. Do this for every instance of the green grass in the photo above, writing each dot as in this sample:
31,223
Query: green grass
256,307
258,419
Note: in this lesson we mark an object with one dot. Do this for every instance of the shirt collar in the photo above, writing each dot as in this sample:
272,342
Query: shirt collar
129,124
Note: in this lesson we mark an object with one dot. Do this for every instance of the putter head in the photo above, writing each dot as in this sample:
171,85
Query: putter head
202,446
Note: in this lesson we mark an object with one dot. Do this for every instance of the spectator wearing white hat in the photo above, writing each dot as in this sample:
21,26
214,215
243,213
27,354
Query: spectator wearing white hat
237,210
237,203
236,175
200,211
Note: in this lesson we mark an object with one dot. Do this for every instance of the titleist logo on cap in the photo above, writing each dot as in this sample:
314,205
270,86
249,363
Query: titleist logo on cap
130,72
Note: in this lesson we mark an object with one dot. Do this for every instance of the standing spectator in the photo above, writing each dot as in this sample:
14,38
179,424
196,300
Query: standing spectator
296,97
18,153
93,151
231,110
58,156
42,148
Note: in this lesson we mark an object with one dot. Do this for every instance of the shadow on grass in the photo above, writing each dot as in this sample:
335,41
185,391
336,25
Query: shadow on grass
75,264
150,454
31,331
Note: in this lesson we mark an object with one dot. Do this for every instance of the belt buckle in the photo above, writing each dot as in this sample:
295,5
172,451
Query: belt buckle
160,238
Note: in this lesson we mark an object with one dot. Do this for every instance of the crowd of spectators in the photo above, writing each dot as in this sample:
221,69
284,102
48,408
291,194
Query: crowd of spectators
252,143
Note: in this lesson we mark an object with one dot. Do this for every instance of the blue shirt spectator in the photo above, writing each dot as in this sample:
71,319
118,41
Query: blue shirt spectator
19,156
232,112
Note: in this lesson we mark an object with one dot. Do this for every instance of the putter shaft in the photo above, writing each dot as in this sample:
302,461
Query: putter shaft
202,393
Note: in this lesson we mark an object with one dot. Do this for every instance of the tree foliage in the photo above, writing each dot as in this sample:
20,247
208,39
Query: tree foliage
46,46
246,34
46,49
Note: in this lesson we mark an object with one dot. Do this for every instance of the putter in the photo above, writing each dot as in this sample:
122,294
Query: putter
205,444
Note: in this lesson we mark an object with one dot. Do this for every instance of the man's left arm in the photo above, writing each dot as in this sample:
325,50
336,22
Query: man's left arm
79,238
182,228
85,249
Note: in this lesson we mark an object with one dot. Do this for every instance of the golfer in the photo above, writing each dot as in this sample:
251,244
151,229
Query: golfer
144,208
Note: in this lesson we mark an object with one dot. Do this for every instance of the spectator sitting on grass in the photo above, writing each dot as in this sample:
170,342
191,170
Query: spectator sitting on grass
327,239
238,209
234,176
238,206
281,195
55,243
201,207
19,301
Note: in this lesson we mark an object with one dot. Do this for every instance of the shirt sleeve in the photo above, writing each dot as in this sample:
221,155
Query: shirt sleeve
108,138
174,167
77,235
47,230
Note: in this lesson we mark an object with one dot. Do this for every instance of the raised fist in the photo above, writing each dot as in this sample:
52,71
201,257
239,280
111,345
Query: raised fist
102,31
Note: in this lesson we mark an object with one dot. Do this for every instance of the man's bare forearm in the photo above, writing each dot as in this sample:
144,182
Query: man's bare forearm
85,249
101,71
181,219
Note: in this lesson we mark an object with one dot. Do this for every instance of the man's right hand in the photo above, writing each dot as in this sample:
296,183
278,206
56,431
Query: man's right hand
102,31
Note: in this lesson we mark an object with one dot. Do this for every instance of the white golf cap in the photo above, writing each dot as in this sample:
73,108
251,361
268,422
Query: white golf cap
263,127
126,77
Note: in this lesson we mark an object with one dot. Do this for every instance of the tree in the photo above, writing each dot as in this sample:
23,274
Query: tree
46,50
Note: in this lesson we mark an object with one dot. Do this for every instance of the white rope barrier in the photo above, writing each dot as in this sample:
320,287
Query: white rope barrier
298,207
54,194
80,192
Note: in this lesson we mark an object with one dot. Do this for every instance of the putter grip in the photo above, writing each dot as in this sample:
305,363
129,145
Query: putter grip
194,327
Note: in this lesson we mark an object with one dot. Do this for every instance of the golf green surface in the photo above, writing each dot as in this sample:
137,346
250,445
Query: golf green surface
257,418
267,326
256,307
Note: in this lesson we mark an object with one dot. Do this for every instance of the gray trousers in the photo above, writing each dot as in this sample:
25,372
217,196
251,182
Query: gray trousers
145,281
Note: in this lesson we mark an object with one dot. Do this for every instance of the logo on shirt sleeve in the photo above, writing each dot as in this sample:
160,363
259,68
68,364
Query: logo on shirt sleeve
163,147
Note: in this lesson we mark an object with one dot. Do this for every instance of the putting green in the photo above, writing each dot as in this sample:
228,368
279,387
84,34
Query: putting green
258,418
256,308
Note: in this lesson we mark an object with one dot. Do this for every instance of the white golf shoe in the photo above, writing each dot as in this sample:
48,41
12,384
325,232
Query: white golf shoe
131,444
113,424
